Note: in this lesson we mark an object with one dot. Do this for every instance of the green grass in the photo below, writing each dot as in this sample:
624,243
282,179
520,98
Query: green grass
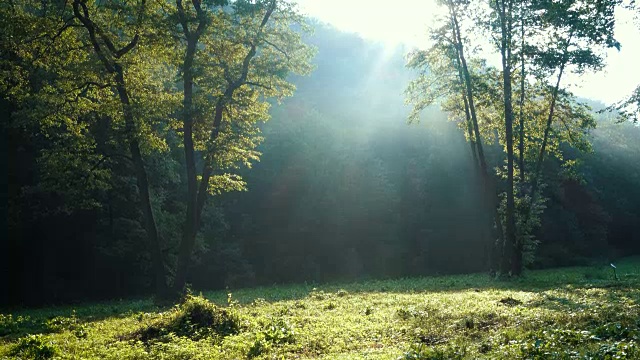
570,313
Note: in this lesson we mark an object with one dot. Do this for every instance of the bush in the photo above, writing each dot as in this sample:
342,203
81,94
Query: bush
34,347
195,318
9,324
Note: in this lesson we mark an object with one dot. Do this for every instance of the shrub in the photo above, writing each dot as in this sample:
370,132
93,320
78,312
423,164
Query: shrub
9,324
195,318
34,347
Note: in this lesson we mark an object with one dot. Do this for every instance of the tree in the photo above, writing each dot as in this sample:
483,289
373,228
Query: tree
248,55
540,46
117,62
577,30
110,56
628,109
446,73
504,10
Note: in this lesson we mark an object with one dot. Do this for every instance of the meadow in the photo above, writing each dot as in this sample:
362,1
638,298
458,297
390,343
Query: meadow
567,313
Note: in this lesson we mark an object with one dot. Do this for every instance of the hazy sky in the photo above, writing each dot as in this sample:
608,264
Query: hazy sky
406,21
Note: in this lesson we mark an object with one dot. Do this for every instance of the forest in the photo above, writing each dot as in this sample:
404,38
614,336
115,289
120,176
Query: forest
302,178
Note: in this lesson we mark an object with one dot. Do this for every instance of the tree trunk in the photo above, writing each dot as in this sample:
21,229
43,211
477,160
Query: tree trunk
538,169
472,141
142,181
191,222
545,139
81,12
488,184
512,262
192,217
198,193
521,127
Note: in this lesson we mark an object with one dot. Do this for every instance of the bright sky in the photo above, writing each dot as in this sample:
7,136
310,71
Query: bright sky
406,21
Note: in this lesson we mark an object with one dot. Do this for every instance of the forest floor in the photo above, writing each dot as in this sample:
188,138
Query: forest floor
568,313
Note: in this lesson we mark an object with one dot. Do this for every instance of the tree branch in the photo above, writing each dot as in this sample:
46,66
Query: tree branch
277,48
89,25
182,18
258,85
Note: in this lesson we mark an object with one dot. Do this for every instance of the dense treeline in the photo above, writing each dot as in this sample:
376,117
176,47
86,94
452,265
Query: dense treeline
112,92
344,189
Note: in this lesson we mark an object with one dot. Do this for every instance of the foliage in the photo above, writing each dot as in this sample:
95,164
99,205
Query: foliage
195,318
344,190
557,313
538,41
422,352
96,87
278,331
34,347
628,109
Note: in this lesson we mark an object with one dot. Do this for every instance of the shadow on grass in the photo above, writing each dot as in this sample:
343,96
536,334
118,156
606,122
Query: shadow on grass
61,318
69,317
566,279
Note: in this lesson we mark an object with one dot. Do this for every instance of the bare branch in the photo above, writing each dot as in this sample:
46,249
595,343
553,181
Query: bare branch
277,48
258,85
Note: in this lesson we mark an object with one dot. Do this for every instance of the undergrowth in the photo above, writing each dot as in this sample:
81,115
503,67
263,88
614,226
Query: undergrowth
571,313
195,318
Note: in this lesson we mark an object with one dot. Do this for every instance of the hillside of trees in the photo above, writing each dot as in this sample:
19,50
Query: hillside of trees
345,189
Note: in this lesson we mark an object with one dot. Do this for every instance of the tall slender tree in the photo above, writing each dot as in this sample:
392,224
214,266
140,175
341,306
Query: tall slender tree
110,56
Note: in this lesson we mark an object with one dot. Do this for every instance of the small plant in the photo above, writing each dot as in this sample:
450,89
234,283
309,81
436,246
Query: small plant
468,323
316,294
279,331
406,314
556,343
423,352
299,305
484,348
62,323
260,347
618,331
230,301
80,332
331,306
509,301
368,311
615,274
342,293
255,302
34,347
21,325
618,350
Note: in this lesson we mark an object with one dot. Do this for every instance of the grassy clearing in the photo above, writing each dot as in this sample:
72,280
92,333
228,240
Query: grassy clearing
571,313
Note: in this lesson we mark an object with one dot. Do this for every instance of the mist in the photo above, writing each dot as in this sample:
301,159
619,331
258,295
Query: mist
345,189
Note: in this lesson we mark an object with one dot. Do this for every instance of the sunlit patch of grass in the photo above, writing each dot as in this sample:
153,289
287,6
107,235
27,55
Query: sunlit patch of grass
571,313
